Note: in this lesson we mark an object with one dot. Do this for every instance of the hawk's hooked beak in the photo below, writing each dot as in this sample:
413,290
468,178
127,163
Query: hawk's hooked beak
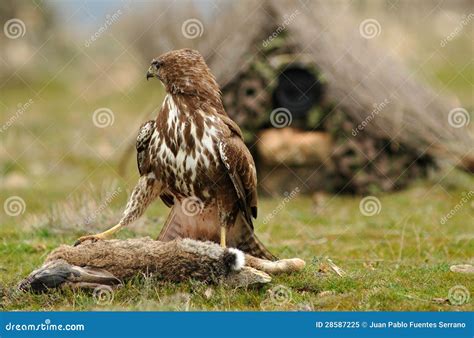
153,70
150,73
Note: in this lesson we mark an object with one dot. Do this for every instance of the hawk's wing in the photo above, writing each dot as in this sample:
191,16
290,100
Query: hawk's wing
143,155
142,145
240,167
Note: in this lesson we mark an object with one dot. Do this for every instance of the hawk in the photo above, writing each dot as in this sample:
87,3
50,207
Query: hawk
194,158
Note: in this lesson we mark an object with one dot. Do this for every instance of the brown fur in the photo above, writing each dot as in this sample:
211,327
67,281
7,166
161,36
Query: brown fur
172,261
112,262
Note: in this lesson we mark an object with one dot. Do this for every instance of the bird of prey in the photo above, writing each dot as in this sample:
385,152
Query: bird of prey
194,158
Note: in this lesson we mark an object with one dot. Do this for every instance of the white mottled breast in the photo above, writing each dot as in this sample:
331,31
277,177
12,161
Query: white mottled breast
186,164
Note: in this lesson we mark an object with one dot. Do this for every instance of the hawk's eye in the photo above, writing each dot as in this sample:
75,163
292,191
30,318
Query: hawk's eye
156,63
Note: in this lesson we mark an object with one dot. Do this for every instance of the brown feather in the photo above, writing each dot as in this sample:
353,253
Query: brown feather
197,152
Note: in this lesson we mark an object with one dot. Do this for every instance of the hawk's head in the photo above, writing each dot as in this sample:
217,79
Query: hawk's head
184,71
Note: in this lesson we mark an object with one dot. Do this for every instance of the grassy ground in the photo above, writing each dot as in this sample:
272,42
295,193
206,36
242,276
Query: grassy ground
398,259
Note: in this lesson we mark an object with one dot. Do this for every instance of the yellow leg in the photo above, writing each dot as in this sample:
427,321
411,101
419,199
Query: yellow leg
223,233
102,235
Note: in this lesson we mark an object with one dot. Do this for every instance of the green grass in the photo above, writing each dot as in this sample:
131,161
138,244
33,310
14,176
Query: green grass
396,260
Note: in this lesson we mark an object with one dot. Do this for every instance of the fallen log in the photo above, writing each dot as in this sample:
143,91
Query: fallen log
111,262
294,147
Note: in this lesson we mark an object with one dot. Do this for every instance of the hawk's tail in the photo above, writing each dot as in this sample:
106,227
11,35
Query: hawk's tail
240,236
249,243
254,247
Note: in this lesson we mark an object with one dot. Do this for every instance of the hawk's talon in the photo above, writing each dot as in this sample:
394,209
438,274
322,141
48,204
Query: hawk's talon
92,238
101,236
223,237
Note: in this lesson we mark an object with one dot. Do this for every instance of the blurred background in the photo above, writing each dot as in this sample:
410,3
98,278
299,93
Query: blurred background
333,97
358,115
341,97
